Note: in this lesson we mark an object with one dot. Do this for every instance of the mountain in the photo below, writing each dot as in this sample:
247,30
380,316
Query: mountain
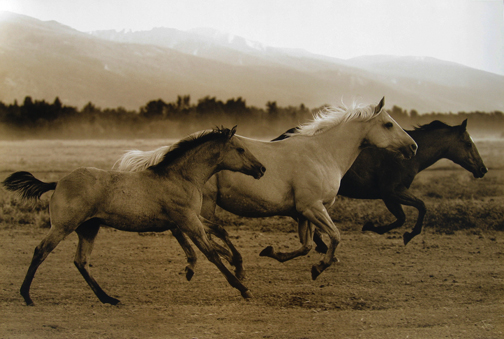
112,69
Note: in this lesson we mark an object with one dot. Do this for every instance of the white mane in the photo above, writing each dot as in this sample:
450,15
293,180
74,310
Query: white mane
135,160
333,116
325,119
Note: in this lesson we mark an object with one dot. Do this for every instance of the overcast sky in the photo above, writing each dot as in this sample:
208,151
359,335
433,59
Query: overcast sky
469,32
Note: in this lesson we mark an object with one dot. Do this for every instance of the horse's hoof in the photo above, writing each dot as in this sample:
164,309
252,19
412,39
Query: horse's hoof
267,252
111,301
315,272
369,226
240,275
407,236
189,273
247,294
29,302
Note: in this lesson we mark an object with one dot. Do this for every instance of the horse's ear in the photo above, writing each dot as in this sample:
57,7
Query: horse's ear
463,125
233,131
380,105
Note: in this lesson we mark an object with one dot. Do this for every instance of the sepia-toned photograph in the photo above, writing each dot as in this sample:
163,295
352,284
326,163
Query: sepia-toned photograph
251,169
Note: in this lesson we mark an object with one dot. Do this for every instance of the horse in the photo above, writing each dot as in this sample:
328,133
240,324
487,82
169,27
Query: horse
304,172
164,196
378,174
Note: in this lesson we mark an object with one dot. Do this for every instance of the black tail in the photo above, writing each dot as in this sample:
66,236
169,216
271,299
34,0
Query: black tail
27,185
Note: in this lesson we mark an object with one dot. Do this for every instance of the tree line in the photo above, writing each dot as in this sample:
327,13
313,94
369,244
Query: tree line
160,119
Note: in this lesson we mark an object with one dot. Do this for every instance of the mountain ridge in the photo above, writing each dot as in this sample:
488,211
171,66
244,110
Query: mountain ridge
45,59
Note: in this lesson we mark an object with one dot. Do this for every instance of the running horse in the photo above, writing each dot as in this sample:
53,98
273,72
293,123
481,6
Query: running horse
304,173
164,196
389,178
379,174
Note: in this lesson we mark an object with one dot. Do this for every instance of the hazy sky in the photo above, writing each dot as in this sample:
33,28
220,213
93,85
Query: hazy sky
470,32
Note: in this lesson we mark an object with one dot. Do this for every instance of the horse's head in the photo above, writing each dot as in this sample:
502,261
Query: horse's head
463,151
236,157
386,133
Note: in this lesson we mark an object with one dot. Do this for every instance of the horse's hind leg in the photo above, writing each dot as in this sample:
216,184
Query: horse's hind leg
420,206
189,252
52,239
87,233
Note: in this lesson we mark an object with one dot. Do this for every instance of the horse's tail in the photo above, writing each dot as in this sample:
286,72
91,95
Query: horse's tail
27,185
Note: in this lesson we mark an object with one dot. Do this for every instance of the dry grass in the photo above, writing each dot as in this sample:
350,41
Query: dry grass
454,199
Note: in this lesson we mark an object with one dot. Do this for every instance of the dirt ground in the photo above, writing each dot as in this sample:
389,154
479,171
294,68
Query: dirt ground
439,286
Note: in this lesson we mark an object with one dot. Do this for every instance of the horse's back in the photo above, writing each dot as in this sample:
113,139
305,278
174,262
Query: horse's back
87,179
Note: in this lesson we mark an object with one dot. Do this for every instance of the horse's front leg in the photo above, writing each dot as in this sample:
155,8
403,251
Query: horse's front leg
191,225
305,231
321,245
318,215
396,209
393,202
235,259
189,252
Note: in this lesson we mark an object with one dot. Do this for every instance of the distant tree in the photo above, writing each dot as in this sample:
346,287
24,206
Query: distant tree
154,109
208,105
272,108
28,102
90,108
57,103
183,102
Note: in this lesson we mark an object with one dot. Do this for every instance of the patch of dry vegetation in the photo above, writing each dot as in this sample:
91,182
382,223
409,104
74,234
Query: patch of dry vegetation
454,200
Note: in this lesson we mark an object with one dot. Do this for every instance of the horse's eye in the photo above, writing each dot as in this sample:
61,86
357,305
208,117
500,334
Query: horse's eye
389,125
240,150
468,145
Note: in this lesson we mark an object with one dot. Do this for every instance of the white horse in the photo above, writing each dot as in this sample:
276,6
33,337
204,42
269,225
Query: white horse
304,173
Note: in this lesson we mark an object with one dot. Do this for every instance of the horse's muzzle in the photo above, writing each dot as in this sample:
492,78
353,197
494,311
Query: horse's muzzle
409,151
480,173
258,172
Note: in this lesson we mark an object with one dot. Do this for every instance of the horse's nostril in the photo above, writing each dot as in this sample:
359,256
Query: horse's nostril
484,170
414,147
263,169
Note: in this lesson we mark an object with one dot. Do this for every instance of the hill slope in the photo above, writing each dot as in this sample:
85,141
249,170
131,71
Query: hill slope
111,69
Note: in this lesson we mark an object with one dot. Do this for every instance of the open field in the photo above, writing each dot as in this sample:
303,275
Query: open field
447,283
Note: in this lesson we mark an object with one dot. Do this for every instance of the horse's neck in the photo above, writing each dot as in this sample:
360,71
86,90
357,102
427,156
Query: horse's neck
342,143
432,146
197,165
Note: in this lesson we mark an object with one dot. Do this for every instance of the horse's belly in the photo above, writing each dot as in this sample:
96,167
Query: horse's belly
249,204
137,222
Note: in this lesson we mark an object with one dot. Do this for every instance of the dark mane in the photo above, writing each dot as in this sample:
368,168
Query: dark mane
190,142
434,125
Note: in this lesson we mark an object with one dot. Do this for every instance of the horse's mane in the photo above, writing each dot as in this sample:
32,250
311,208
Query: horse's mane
136,160
433,125
329,117
163,156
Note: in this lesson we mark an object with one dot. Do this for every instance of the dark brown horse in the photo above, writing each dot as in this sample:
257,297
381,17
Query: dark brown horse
379,174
